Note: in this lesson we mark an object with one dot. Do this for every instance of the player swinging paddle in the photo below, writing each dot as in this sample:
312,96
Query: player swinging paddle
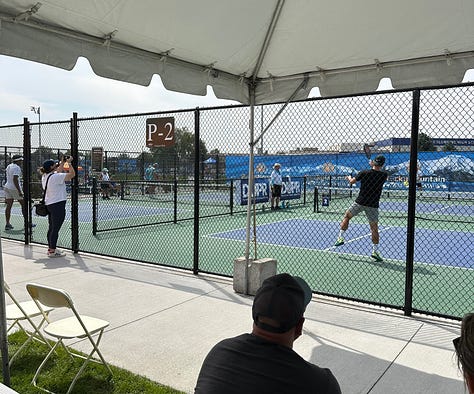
371,184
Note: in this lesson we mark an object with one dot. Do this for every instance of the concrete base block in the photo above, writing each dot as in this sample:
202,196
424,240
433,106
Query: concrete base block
257,271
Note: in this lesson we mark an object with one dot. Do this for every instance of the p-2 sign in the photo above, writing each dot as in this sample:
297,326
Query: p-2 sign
159,132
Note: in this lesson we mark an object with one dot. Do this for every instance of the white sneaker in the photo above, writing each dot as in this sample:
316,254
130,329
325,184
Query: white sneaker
56,253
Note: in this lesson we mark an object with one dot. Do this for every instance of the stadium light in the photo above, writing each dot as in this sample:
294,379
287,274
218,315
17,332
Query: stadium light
37,110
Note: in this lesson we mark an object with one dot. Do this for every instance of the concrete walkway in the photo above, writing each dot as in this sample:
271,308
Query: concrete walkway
163,323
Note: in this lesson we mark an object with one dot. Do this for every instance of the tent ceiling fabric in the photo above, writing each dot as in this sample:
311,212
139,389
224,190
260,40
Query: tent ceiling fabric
341,47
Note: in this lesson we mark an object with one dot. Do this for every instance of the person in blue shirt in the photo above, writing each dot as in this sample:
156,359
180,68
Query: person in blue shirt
151,174
275,185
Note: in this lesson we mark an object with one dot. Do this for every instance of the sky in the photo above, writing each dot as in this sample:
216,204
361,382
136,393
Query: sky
59,93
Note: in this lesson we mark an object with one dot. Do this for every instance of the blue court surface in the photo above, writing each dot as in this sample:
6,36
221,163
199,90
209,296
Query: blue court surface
446,208
430,245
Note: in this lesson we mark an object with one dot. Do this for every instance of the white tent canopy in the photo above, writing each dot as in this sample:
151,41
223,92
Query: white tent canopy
268,46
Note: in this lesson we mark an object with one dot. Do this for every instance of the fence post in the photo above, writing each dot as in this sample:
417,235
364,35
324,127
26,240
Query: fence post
197,161
415,118
94,205
27,180
75,184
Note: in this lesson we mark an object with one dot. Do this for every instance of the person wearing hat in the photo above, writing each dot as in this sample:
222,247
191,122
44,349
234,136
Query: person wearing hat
105,183
13,189
264,361
54,179
276,181
368,200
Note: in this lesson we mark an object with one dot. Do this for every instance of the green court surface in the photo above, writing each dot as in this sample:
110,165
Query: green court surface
302,243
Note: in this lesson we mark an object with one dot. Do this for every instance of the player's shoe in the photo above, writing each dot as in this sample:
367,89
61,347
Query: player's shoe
376,256
339,241
8,227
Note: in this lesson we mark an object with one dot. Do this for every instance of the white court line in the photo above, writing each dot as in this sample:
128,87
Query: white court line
356,239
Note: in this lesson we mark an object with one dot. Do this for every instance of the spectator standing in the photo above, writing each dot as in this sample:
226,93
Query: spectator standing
276,181
264,361
105,184
55,199
13,189
151,174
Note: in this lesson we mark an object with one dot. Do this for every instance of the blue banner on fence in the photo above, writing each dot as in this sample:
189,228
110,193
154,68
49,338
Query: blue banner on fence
290,190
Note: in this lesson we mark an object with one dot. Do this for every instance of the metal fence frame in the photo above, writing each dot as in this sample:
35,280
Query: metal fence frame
74,148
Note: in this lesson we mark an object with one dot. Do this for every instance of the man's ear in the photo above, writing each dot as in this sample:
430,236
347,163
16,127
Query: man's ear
299,328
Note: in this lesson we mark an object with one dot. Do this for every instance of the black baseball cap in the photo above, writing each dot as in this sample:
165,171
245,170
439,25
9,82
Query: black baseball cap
379,161
48,165
283,299
17,157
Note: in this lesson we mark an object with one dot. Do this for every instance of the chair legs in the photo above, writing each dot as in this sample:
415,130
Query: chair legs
86,359
36,334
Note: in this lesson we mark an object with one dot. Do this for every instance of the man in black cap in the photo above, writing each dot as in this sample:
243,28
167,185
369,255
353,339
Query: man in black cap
264,361
368,200
12,188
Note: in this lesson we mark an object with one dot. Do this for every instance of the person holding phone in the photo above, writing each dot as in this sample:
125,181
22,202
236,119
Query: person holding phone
54,178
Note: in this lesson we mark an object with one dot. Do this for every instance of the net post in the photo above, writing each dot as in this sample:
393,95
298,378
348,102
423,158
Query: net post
316,201
231,191
304,189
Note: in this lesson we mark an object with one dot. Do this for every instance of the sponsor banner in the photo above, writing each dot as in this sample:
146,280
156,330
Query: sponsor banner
290,190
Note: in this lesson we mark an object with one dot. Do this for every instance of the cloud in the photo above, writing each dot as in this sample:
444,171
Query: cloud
59,93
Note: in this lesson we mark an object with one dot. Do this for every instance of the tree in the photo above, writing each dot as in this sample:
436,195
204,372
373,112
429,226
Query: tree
178,160
425,143
449,147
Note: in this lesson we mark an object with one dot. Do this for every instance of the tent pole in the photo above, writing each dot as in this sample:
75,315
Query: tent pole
302,85
251,185
3,326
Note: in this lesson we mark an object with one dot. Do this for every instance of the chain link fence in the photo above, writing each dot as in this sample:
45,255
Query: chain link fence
186,205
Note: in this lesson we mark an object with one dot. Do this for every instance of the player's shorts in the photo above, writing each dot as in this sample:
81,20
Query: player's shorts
276,190
371,212
105,185
12,194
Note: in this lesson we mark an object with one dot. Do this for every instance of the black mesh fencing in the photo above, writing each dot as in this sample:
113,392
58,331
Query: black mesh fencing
186,205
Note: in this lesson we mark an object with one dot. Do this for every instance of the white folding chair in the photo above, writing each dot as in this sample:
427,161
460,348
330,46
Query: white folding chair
75,326
19,312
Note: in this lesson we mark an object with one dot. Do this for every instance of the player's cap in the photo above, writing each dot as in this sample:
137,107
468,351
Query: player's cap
379,161
17,158
49,165
276,165
155,164
282,299
105,170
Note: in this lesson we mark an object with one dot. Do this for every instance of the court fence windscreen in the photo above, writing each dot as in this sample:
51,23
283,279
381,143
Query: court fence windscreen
372,200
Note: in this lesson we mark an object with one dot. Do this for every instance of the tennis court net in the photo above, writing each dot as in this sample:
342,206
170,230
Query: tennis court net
141,203
436,205
215,194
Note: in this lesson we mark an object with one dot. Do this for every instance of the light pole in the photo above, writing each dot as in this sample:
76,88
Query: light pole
37,110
